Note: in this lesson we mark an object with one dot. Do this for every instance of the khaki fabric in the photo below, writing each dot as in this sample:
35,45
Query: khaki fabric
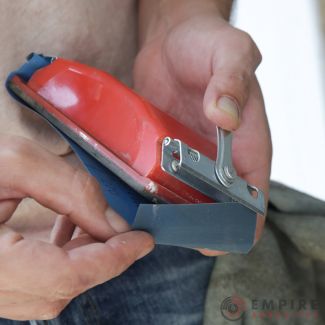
288,263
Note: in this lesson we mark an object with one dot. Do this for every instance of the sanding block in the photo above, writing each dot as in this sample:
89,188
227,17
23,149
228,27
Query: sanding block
161,176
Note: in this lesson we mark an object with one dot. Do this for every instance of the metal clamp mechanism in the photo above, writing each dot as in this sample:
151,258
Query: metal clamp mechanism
216,179
224,169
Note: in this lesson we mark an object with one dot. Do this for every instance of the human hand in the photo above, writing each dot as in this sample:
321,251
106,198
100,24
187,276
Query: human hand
201,70
38,279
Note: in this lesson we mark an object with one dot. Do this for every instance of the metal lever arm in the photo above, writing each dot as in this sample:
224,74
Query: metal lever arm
224,169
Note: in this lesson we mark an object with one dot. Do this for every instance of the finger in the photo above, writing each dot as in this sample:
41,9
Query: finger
55,184
114,219
119,224
78,232
99,262
259,177
209,252
6,193
81,240
258,172
7,208
62,231
38,310
8,297
229,86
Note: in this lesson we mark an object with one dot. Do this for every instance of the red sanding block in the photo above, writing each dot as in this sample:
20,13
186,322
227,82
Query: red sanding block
158,158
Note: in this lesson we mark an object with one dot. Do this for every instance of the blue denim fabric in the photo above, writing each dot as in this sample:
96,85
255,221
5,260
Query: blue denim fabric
167,287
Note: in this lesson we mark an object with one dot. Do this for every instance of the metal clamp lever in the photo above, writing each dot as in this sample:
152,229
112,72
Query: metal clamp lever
216,179
224,169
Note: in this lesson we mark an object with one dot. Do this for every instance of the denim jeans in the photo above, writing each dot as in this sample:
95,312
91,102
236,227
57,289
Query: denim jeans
167,287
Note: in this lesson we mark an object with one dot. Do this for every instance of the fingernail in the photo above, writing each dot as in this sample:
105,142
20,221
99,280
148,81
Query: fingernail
116,221
229,106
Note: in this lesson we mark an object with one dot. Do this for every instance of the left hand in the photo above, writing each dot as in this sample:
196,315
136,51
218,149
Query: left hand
202,71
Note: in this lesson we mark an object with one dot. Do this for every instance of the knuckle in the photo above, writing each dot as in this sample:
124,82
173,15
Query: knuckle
249,47
246,40
258,55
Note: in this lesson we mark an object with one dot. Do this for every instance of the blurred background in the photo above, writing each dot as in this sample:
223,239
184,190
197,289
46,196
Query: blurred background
290,35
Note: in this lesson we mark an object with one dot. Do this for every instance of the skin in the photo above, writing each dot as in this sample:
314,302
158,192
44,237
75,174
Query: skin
189,57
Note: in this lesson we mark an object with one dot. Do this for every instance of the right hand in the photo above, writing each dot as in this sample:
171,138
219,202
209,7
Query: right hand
38,279
201,70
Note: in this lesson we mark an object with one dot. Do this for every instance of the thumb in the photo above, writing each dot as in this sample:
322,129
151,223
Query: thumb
225,97
233,70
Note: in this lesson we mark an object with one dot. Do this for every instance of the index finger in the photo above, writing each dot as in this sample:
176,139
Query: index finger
32,171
